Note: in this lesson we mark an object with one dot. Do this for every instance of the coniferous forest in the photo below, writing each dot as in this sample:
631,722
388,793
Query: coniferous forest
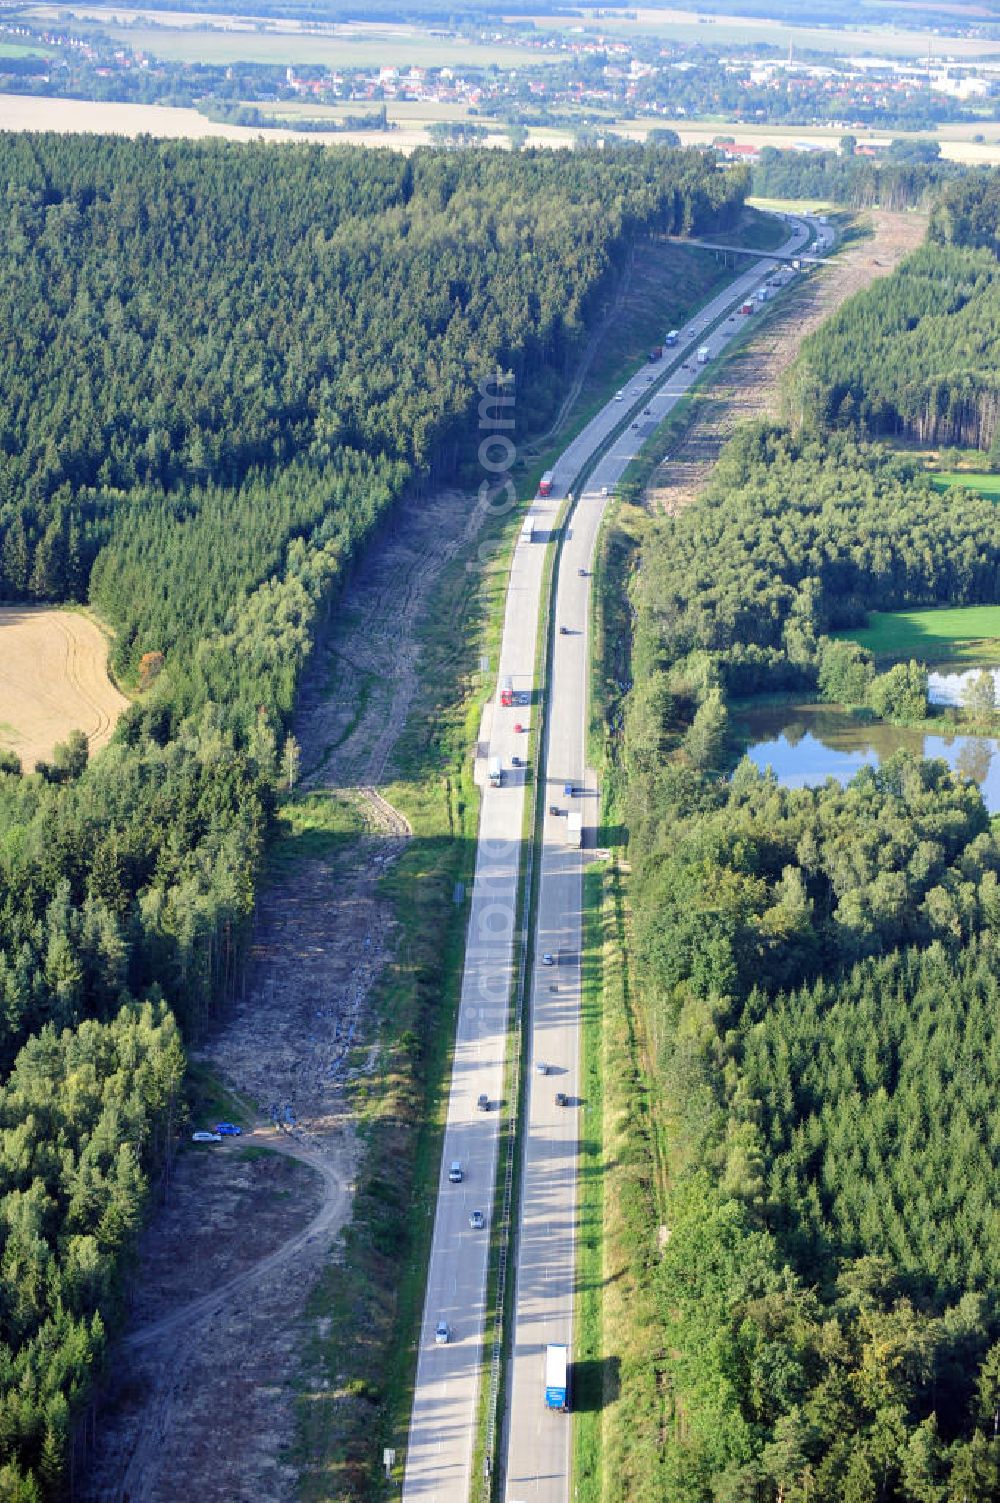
919,356
817,967
222,365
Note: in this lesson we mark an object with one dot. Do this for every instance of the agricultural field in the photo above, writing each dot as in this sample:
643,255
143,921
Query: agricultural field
27,112
53,680
968,631
195,39
726,31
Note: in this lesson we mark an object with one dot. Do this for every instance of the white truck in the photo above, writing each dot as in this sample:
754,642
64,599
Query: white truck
556,1392
704,355
574,829
496,773
528,530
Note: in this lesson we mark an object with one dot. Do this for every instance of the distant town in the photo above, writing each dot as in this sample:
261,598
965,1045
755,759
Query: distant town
584,76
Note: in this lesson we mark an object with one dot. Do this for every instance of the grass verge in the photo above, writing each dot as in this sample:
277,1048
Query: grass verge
589,1372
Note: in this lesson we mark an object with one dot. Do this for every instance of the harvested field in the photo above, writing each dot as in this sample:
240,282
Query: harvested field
89,117
53,680
747,386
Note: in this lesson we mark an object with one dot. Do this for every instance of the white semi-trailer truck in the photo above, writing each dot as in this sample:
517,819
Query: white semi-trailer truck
556,1392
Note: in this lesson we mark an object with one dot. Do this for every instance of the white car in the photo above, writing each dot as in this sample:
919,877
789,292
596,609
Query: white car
442,1333
206,1137
548,958
619,396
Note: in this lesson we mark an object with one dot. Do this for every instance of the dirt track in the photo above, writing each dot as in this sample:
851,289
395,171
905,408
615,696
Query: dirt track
749,385
301,1029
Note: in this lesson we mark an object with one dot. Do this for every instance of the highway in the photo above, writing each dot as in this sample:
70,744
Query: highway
438,1459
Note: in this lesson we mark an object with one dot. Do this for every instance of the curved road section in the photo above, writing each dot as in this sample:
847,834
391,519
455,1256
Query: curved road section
443,1418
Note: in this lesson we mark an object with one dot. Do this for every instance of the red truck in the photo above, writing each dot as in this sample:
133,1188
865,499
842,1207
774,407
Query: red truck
507,693
546,483
656,353
747,308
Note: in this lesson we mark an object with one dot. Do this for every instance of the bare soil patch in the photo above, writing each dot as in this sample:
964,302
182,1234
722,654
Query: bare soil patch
226,1210
748,386
53,680
214,1350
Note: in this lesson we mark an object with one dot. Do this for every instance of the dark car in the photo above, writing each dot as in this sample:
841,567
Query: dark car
561,1098
483,1103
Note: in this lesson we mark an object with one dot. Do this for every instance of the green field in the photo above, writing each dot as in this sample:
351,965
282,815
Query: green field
15,49
345,49
971,632
727,31
985,483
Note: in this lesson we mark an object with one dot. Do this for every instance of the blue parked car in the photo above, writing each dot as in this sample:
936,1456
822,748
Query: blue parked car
228,1130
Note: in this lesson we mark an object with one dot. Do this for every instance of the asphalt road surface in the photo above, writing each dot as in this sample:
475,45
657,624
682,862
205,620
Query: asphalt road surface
538,1440
442,1425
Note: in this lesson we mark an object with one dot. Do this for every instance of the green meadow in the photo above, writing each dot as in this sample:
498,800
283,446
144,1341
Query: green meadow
971,632
983,482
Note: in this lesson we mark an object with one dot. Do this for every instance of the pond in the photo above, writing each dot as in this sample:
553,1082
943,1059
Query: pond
807,743
946,687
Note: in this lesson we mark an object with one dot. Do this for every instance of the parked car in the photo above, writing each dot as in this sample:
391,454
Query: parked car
455,1174
442,1333
477,1221
206,1137
483,1104
228,1130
